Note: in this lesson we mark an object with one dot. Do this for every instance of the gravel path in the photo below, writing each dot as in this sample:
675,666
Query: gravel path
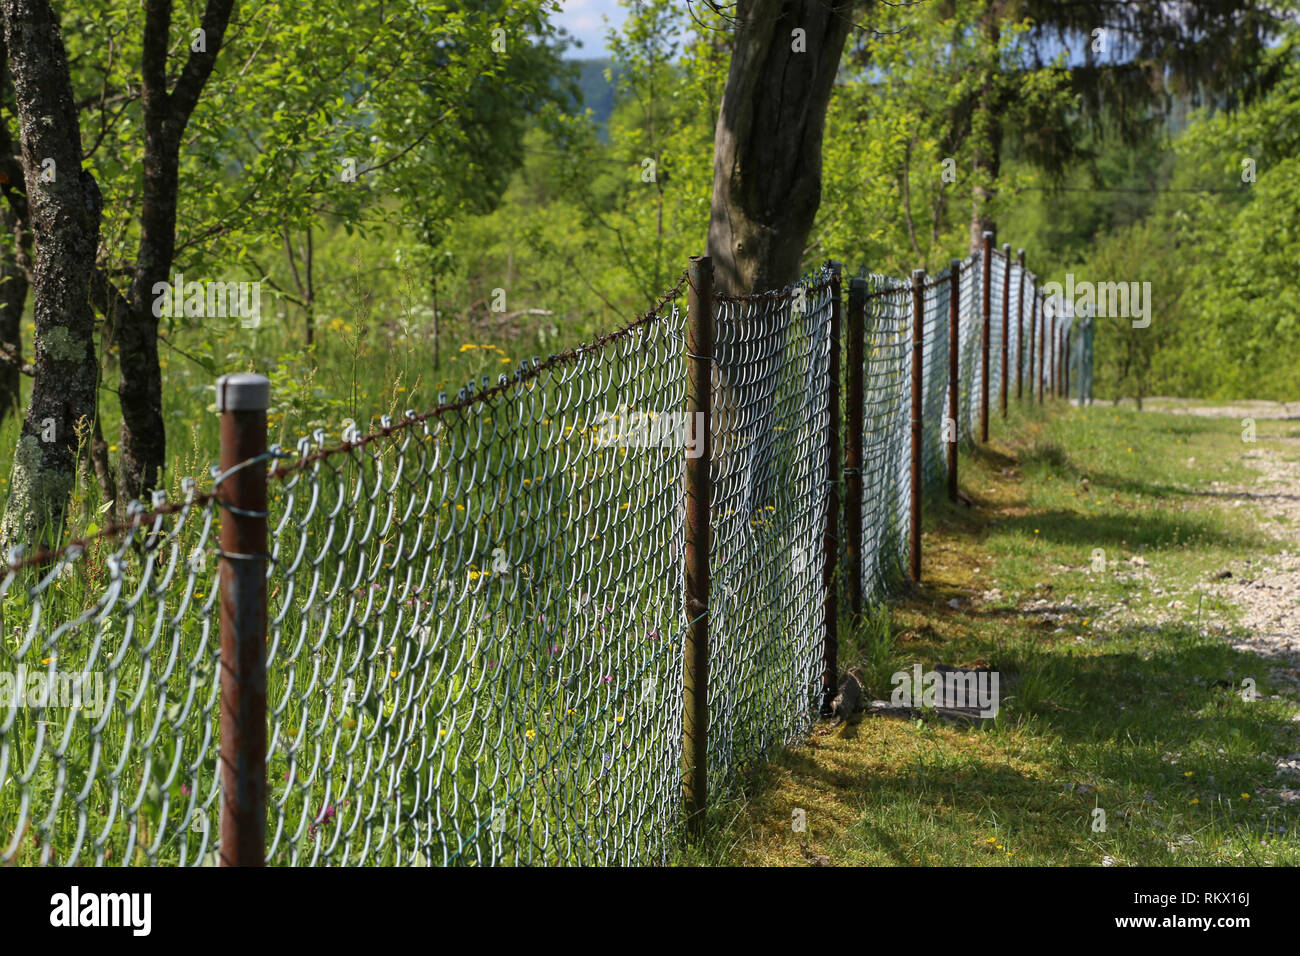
1267,589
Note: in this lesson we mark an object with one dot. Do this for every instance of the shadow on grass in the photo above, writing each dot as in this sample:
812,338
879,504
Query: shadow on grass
1150,733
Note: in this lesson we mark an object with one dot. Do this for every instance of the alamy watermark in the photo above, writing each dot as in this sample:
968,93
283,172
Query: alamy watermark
23,688
1116,300
209,300
651,430
961,689
78,908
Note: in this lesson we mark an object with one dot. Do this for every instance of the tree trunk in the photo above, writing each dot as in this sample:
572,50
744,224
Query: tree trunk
15,260
986,136
166,114
13,296
767,148
65,216
767,184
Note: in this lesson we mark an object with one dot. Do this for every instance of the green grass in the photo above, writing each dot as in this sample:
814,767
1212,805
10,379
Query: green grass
1144,721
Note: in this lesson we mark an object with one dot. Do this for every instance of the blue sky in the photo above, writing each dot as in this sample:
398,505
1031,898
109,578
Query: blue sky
583,20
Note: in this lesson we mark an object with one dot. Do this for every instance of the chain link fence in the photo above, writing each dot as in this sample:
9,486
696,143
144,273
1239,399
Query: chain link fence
476,632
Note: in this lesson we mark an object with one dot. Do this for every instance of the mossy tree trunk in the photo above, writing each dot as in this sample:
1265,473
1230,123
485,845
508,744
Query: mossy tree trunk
64,205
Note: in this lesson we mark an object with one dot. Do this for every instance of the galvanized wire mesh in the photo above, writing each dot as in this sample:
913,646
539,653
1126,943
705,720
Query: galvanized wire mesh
934,374
476,634
970,334
770,415
887,437
108,697
995,331
476,614
1014,327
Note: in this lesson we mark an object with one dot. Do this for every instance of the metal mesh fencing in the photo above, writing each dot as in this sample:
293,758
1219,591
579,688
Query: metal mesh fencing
770,415
476,616
970,334
886,440
476,625
934,399
108,697
1015,328
995,331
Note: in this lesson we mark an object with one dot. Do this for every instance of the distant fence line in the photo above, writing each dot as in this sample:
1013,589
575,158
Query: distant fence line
539,624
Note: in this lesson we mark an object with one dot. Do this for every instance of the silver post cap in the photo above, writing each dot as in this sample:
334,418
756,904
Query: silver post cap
243,392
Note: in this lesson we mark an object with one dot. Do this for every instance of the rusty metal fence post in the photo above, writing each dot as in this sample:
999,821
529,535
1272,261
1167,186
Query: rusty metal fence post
918,386
954,349
1020,326
1042,344
242,400
986,261
1051,368
1065,365
1060,360
1006,335
855,355
830,544
1034,346
698,539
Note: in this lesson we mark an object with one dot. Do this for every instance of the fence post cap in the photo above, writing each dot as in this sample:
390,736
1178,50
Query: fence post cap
243,392
918,275
858,284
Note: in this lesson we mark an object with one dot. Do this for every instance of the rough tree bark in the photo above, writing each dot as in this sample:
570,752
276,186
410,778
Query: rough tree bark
767,148
767,184
65,216
134,326
13,296
15,257
986,134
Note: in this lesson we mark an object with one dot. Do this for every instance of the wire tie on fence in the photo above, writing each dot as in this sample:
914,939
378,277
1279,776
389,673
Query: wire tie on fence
242,512
707,358
242,557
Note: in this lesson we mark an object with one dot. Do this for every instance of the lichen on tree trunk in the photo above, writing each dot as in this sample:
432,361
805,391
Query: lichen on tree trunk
65,218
